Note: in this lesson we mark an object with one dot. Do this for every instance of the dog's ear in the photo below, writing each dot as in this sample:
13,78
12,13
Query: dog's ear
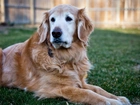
85,26
43,28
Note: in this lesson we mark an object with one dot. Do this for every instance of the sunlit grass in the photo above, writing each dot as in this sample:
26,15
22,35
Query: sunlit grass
114,53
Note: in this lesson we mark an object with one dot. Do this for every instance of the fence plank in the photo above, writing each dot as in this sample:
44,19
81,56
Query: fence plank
106,12
32,11
2,10
87,6
118,12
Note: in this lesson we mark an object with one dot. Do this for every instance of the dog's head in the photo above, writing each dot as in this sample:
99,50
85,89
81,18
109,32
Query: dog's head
61,23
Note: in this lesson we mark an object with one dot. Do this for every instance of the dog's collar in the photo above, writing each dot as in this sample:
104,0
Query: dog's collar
50,52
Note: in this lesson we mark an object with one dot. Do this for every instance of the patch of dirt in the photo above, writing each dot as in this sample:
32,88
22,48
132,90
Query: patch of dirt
137,68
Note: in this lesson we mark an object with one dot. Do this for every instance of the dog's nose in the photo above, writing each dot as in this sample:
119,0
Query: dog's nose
56,32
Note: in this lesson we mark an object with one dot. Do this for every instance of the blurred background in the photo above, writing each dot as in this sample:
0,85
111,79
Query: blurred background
104,13
114,47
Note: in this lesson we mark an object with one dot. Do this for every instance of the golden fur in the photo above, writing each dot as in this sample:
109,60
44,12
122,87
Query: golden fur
36,66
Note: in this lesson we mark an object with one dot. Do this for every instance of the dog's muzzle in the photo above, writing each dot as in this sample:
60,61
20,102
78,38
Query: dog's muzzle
57,33
57,38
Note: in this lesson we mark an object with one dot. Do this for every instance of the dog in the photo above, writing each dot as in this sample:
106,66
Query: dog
53,62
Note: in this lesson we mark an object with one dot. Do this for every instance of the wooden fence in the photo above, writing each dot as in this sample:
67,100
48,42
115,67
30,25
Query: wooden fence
104,13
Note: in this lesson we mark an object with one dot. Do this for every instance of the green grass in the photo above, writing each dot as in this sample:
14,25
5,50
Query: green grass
114,53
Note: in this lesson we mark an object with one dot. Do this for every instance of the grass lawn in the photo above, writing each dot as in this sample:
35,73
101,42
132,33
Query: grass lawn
114,53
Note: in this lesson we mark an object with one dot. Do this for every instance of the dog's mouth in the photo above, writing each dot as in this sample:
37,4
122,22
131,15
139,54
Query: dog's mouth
57,43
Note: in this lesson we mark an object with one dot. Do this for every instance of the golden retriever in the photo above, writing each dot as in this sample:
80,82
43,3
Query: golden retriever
53,62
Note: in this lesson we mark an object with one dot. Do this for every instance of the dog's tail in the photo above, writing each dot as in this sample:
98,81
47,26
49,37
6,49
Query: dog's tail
1,66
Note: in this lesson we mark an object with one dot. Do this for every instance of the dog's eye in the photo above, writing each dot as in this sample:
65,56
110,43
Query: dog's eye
68,18
52,19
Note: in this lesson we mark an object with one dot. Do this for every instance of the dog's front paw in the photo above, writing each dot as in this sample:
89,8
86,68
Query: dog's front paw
124,100
113,102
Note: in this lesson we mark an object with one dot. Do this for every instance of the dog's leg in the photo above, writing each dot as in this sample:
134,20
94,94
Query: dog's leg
85,96
102,92
0,66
